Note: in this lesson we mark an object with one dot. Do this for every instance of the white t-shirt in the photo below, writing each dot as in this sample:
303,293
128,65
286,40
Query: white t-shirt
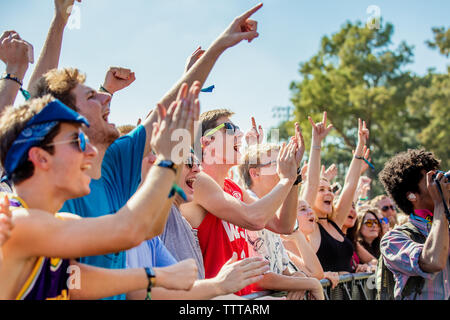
269,245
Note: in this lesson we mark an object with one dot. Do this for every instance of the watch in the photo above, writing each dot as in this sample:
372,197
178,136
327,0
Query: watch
168,164
151,281
299,177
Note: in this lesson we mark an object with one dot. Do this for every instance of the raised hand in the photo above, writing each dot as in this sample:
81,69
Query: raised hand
286,161
363,132
433,188
242,28
180,276
320,130
236,275
16,53
63,9
330,173
118,78
181,115
255,135
193,58
298,138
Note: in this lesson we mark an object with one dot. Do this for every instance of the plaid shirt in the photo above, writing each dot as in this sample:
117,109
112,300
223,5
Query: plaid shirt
401,256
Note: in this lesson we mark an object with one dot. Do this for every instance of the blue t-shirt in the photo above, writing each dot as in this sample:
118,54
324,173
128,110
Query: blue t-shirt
151,253
121,175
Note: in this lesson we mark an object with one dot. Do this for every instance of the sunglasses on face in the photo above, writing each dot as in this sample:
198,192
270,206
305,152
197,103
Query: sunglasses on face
371,222
229,127
384,220
191,162
386,208
80,142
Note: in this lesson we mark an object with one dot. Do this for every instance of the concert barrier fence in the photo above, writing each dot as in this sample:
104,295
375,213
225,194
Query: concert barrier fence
356,286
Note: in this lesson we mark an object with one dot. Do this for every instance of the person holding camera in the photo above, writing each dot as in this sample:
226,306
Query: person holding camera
417,253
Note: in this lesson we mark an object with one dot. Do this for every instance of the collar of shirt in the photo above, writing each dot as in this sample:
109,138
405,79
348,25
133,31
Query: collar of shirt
423,226
423,213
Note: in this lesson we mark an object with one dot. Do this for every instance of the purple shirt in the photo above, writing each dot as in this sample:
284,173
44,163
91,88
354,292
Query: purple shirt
401,256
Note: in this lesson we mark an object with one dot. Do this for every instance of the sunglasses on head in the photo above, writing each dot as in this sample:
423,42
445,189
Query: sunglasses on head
229,127
81,141
371,222
386,208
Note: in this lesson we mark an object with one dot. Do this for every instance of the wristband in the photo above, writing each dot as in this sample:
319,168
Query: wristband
9,76
299,177
151,282
177,189
366,161
102,88
168,164
364,199
317,147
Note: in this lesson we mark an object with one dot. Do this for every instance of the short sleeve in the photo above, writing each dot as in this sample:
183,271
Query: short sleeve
121,167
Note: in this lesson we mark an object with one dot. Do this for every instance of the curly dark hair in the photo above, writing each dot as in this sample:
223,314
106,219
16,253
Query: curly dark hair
403,173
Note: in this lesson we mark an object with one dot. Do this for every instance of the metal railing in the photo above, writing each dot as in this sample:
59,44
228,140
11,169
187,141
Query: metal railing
356,286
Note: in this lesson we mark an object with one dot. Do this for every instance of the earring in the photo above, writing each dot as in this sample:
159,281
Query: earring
412,197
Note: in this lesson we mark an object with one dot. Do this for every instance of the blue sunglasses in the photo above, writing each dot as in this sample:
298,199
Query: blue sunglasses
81,142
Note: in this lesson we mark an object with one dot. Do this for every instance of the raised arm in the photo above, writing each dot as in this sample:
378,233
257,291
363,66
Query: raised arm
242,28
254,215
49,58
284,220
134,223
319,133
435,253
16,54
351,181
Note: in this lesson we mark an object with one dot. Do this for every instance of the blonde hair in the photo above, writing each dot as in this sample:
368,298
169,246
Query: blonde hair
59,83
253,157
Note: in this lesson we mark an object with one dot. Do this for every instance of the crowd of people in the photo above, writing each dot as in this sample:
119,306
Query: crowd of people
177,207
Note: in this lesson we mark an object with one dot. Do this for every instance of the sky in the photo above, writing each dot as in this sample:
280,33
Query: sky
155,37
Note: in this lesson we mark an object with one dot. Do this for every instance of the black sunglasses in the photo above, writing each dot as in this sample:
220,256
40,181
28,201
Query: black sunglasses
386,208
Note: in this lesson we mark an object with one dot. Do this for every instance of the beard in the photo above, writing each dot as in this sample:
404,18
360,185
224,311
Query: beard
104,137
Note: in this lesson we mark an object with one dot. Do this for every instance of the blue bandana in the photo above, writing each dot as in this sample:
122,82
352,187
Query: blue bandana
36,130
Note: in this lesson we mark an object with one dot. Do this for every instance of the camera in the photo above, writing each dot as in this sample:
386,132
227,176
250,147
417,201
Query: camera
445,175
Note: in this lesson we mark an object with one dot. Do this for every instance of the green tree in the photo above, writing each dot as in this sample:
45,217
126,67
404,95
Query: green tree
357,74
431,103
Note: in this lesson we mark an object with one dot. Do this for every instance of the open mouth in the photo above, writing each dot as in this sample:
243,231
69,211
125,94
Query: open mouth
327,202
86,167
190,183
311,219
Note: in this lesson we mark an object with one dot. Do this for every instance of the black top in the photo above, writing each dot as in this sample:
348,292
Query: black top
334,255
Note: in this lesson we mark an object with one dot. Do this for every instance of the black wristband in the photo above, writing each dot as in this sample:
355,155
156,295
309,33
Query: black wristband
102,88
9,76
299,177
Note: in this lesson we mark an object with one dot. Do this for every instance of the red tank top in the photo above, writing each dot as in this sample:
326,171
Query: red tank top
219,239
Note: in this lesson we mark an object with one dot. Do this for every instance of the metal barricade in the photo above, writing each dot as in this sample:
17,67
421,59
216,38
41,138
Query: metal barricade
357,286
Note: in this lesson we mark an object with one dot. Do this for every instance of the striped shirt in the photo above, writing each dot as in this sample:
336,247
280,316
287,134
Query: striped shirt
401,256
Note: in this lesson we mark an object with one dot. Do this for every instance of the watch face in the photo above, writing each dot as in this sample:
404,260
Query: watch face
166,163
